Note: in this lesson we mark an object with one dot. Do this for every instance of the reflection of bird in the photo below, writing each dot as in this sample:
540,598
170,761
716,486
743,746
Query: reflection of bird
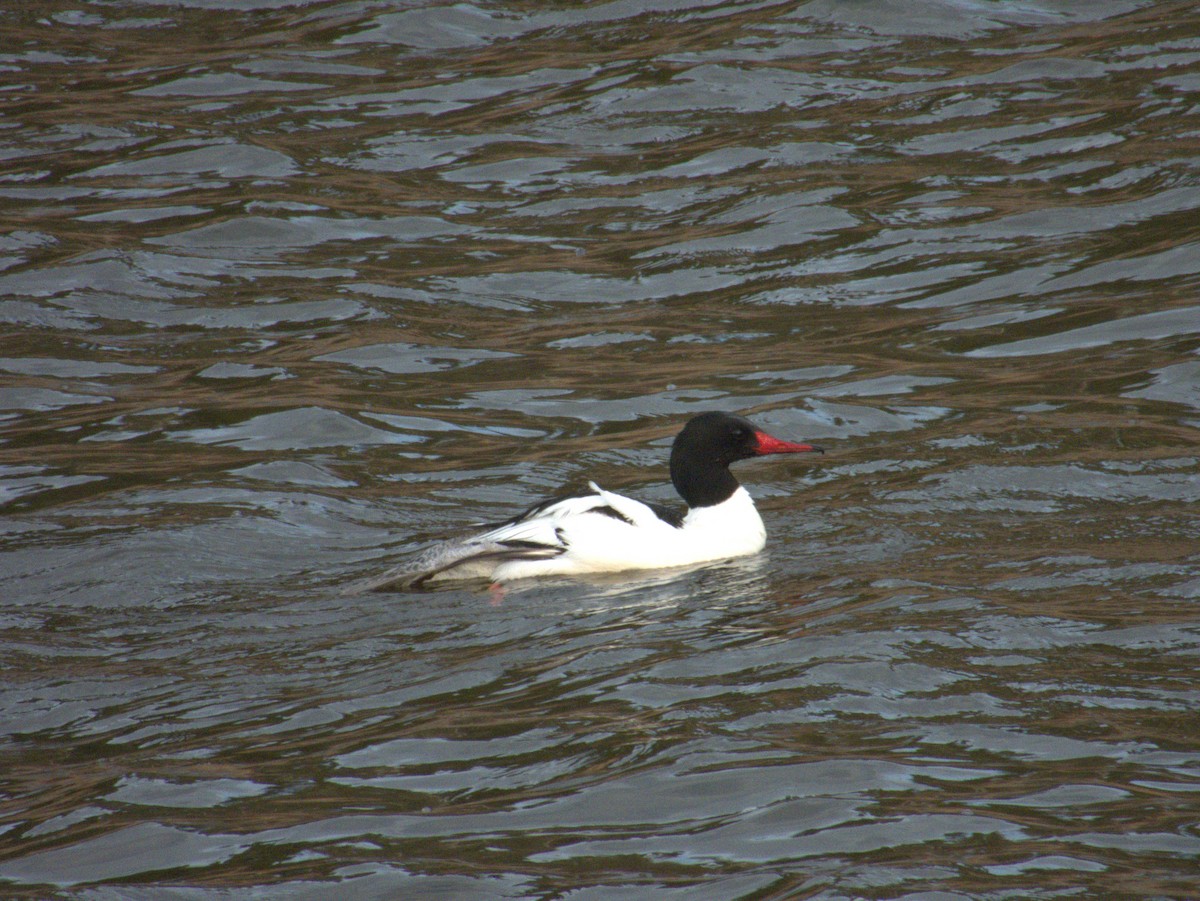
604,532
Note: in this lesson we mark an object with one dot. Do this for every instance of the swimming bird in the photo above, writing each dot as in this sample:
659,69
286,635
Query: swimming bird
600,531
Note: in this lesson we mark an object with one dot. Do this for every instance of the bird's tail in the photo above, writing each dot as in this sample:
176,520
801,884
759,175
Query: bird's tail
475,558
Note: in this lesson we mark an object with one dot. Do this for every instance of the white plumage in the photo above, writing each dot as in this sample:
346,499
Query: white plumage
601,531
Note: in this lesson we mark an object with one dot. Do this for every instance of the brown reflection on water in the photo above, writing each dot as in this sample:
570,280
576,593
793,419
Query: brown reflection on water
288,292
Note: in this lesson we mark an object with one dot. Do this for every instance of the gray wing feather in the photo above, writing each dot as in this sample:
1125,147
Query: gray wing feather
448,555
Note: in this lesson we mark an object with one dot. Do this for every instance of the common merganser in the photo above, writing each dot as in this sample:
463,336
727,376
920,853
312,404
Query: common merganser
605,532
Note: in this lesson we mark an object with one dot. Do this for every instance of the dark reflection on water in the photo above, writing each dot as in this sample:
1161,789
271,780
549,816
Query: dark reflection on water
290,289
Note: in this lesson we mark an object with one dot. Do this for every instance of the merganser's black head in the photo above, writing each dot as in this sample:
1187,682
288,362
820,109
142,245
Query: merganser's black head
702,452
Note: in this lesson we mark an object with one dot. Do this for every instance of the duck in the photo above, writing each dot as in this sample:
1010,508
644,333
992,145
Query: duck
599,531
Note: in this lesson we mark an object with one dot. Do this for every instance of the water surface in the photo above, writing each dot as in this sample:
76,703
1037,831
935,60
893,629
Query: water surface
290,289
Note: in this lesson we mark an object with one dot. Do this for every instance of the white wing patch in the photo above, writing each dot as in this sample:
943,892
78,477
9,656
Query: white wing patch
637,513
